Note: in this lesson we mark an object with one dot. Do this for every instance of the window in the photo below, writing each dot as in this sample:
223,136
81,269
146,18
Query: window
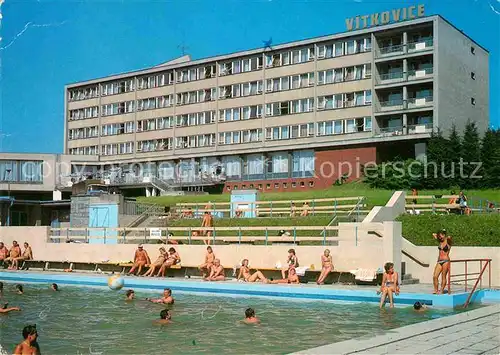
302,184
311,183
285,185
294,184
473,101
276,185
83,93
303,163
259,186
268,186
473,75
83,113
473,50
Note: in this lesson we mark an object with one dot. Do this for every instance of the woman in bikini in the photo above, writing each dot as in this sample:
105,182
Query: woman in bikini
247,276
390,285
327,267
158,263
443,263
173,258
27,255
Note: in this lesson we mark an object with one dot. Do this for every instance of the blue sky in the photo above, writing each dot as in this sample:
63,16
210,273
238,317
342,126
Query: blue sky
47,44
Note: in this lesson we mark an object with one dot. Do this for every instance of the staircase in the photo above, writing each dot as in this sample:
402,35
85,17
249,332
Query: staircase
409,280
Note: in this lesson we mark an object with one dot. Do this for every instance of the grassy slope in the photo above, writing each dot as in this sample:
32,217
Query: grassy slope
475,230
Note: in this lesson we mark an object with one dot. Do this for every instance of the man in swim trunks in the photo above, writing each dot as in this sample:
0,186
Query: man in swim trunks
166,298
27,255
14,253
292,278
216,272
141,259
209,261
250,317
165,317
245,273
29,346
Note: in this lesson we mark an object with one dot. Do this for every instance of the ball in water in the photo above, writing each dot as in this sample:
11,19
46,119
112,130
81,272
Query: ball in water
116,283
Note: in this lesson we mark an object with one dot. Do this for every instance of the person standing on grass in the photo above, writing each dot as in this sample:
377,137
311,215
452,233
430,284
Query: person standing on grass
390,285
326,267
443,263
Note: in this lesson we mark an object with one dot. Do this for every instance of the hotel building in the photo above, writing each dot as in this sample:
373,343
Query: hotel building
284,118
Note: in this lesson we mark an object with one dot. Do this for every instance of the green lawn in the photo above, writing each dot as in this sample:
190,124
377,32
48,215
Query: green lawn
475,230
374,197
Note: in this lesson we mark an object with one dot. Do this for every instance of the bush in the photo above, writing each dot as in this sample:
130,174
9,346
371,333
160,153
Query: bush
475,230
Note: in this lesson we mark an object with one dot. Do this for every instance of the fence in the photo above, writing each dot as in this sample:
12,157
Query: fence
447,204
279,208
319,235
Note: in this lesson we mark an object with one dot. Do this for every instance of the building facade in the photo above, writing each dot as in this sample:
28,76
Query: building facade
298,115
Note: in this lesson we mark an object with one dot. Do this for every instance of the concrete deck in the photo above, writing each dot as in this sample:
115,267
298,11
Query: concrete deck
475,332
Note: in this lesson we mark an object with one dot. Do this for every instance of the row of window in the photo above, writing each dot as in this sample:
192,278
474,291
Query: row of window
286,57
359,98
23,171
230,91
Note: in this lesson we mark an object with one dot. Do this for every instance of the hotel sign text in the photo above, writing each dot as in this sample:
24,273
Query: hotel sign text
383,18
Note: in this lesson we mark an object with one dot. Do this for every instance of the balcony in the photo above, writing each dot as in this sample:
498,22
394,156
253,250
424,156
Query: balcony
391,105
421,45
400,76
420,128
420,102
389,78
420,74
424,44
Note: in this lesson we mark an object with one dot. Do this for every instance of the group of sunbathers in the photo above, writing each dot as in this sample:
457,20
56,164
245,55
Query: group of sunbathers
13,257
165,260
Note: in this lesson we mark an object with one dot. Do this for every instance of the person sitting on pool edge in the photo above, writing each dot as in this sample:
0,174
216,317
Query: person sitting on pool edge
172,258
141,259
250,317
5,309
390,285
247,276
165,299
29,345
130,295
158,262
216,272
165,317
206,267
292,278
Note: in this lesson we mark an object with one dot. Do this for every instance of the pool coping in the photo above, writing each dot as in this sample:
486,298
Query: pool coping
369,345
232,288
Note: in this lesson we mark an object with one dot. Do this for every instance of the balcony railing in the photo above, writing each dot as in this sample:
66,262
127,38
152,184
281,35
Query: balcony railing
390,131
423,44
420,128
391,50
390,105
423,101
420,73
411,47
401,76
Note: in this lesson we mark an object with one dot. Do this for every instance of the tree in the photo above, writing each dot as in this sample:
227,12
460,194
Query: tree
437,156
453,152
471,155
490,158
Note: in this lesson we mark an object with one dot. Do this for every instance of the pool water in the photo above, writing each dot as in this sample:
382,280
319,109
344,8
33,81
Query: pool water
99,321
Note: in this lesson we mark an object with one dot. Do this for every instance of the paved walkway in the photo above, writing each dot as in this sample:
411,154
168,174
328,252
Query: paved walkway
475,332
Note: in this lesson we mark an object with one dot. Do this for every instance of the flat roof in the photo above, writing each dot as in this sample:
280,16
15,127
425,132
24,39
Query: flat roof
175,64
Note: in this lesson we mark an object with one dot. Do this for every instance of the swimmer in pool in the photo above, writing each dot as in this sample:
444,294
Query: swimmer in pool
247,276
216,272
130,295
165,317
250,317
19,289
419,307
6,309
54,287
166,298
292,278
29,345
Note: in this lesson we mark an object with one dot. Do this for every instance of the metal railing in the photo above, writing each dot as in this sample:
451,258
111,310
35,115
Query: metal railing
391,49
476,277
447,204
423,44
391,76
419,73
422,101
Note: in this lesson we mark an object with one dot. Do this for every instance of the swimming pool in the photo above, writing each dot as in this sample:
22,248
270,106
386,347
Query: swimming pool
97,320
